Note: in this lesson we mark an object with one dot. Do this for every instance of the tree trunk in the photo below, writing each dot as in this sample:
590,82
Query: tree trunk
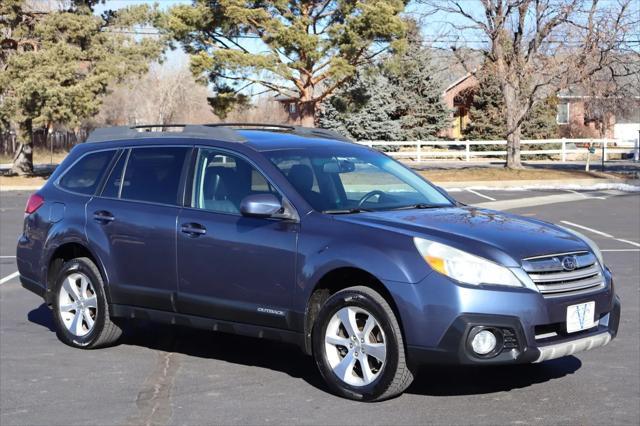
307,113
23,158
513,150
513,128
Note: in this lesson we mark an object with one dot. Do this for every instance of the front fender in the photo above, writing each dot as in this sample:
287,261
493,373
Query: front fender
326,245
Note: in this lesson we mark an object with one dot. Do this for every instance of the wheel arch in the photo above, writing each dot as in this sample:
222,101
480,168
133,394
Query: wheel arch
65,252
335,280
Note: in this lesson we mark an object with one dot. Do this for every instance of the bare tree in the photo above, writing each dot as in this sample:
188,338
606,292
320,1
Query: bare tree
536,47
162,96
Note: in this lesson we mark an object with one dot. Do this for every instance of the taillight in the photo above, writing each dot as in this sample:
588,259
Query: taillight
33,203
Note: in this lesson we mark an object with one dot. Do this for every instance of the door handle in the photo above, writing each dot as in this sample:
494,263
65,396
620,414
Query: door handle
103,216
193,229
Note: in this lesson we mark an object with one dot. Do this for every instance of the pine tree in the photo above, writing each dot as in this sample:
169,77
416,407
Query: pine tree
487,120
74,58
421,110
304,50
363,110
400,99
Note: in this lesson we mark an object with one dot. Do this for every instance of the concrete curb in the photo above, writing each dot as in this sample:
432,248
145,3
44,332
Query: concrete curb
538,184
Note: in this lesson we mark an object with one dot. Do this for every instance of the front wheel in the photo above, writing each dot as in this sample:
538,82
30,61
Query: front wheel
358,346
80,308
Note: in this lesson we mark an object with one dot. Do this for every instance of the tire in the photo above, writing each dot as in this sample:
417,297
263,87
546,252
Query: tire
334,351
80,307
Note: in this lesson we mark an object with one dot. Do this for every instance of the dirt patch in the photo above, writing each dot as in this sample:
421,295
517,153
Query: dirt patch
40,156
21,181
500,174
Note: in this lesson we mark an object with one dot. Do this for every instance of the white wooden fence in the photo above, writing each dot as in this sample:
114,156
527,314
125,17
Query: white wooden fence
428,150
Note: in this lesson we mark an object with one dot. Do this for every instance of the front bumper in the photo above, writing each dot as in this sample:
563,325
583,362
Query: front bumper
438,316
454,348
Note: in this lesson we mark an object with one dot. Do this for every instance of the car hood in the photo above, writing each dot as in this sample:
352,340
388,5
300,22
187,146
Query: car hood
502,237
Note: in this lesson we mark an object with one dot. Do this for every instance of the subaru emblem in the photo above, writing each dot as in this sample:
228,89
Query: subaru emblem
569,263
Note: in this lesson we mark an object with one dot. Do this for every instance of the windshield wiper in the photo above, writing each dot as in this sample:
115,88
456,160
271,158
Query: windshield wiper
418,206
347,211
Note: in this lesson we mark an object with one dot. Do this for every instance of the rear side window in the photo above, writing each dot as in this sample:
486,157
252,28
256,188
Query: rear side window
85,175
153,174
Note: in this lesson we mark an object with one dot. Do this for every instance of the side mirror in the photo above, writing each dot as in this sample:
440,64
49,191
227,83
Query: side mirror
260,205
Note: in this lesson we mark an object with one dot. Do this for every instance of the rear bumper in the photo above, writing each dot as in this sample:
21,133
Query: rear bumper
454,347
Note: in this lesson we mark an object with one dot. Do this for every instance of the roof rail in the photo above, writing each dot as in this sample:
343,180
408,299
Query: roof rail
220,133
298,130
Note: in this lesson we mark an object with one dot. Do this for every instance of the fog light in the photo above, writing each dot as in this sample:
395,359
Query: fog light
484,342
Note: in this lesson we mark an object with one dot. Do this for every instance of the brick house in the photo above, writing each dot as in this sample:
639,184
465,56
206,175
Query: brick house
574,117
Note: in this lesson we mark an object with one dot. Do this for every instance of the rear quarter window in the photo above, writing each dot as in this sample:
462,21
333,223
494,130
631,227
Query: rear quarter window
84,175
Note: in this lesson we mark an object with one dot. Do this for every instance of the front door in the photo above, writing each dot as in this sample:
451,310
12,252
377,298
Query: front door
232,267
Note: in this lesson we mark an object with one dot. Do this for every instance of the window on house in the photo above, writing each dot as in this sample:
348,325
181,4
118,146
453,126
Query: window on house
562,116
292,108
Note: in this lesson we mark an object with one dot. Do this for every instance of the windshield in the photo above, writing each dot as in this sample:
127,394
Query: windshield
355,180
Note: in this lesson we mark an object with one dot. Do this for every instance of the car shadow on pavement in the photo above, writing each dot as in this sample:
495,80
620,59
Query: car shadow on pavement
42,316
466,380
230,348
432,380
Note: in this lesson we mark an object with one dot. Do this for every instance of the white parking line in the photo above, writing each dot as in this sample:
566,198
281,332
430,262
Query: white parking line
604,234
595,231
9,277
633,243
480,195
586,195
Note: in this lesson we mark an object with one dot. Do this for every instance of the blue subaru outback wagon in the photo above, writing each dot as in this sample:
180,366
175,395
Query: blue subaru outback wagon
298,235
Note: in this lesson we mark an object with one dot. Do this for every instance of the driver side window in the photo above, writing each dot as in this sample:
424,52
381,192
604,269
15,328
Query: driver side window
222,181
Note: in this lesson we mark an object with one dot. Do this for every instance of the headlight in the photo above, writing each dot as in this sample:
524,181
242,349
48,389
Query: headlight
464,267
593,246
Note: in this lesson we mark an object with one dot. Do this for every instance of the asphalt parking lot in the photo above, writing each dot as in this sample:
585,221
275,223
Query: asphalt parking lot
171,375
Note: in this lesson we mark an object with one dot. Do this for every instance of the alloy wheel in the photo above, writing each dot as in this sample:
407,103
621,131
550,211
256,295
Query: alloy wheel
355,346
78,304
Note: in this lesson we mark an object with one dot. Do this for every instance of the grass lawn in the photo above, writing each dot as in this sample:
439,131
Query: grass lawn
501,174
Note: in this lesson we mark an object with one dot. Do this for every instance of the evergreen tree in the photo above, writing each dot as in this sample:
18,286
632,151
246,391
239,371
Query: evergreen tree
398,100
75,55
487,119
363,110
418,94
302,49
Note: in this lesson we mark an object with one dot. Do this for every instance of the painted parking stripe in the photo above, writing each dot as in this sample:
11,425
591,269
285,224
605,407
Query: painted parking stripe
604,234
9,277
595,231
633,243
480,195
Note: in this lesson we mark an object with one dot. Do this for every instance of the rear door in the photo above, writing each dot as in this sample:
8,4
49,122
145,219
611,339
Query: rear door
233,267
133,225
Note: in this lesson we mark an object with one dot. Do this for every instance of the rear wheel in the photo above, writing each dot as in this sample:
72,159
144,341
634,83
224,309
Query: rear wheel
80,308
358,346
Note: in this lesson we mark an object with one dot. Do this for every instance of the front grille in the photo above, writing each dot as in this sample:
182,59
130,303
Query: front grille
567,273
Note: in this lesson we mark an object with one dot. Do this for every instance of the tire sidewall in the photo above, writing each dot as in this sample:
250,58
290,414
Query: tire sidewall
85,267
381,384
